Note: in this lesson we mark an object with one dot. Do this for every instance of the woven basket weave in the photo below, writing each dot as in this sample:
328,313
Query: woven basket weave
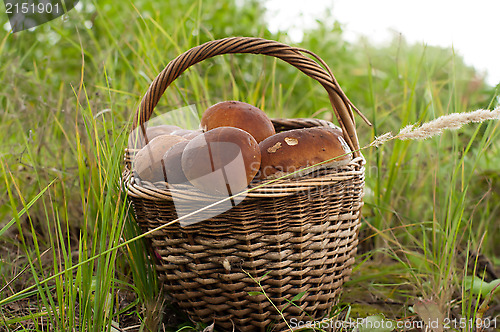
294,235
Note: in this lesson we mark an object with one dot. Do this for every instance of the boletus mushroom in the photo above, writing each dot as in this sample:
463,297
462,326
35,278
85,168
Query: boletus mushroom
148,164
221,161
239,115
137,139
295,150
172,160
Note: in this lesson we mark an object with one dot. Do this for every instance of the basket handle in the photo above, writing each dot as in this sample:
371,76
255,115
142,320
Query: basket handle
342,106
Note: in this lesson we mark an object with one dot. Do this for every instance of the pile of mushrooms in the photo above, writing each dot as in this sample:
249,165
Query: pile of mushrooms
236,143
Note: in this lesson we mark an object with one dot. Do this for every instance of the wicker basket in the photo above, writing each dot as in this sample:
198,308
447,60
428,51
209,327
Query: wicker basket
297,236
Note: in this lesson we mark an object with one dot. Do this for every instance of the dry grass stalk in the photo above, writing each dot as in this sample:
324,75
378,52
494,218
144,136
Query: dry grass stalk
437,126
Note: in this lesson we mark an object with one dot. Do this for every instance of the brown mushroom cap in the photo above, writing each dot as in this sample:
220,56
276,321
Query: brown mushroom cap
239,115
148,161
221,161
172,160
293,150
136,138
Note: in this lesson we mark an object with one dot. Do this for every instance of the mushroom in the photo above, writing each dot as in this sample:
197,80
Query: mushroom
221,161
136,139
187,133
294,150
148,161
172,160
239,115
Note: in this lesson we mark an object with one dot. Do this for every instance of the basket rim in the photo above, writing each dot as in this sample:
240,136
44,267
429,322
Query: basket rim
259,189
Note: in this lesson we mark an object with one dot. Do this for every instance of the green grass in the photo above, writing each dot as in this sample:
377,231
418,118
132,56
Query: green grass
67,98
